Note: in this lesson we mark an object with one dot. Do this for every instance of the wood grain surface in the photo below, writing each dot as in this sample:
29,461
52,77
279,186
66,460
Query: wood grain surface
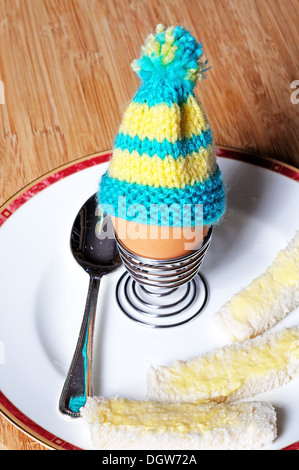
65,71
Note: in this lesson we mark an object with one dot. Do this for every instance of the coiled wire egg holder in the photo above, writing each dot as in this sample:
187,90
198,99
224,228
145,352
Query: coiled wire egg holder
162,293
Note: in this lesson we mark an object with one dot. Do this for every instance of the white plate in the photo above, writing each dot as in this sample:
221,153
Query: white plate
43,292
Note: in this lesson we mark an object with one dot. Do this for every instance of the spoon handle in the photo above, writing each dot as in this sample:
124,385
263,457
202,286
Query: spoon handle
78,383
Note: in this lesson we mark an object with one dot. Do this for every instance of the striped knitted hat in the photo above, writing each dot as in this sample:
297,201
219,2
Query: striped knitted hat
163,160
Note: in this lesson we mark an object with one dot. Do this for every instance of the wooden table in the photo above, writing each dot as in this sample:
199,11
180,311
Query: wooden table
66,76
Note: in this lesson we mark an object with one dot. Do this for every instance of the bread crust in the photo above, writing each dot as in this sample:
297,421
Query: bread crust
267,300
164,383
248,425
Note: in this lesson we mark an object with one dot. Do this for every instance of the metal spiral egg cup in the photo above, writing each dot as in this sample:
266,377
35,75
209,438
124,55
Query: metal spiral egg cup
162,293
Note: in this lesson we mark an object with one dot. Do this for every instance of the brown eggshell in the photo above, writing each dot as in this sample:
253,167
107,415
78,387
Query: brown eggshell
158,242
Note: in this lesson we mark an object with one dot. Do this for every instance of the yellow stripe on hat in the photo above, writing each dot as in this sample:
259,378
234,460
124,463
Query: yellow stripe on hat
193,119
163,172
162,122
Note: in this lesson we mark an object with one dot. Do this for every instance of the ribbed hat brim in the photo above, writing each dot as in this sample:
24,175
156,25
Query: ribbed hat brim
199,204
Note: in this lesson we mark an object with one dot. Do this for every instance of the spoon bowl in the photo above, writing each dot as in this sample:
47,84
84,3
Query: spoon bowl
94,247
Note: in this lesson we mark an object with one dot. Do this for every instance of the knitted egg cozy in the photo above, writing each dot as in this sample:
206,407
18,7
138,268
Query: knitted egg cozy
163,169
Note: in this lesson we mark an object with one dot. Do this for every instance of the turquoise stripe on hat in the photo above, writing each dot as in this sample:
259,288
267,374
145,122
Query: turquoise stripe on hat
162,149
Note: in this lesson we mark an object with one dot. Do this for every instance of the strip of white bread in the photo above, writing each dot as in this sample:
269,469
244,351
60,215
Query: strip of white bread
266,300
118,423
236,371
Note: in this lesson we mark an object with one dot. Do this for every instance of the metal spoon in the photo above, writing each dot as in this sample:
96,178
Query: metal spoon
94,248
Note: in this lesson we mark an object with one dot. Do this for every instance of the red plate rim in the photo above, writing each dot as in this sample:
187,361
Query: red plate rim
8,409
